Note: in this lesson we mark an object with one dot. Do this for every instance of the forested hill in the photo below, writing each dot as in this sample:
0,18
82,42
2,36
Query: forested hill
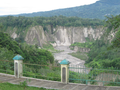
96,10
9,48
103,53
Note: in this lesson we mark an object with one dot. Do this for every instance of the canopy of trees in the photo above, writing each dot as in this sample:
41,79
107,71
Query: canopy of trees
9,48
103,53
22,21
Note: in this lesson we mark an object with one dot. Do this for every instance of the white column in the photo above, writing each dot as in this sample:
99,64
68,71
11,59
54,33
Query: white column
18,69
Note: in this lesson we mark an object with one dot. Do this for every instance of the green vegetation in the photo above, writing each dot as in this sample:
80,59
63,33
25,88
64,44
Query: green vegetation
104,56
80,55
9,48
24,84
94,76
87,44
103,53
8,86
43,58
78,77
42,72
115,84
50,48
22,23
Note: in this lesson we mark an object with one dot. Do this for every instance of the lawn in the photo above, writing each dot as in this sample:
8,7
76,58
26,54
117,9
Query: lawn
9,86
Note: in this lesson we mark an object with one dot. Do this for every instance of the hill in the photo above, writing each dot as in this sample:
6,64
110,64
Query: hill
97,10
103,53
9,48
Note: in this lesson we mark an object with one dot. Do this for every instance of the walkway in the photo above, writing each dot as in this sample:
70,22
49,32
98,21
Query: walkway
52,84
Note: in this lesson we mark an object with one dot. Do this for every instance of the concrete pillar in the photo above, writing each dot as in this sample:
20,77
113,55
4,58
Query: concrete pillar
64,71
18,69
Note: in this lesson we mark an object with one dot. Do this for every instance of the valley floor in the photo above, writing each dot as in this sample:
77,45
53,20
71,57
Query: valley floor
65,55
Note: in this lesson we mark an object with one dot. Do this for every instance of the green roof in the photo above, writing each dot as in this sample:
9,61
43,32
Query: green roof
18,57
65,62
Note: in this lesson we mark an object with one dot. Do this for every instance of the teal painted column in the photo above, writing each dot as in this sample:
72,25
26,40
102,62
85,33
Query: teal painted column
64,71
18,69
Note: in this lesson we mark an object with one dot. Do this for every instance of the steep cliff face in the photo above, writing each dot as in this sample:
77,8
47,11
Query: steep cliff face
61,35
35,35
68,35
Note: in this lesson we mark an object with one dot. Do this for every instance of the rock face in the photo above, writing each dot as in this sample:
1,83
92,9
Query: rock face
68,35
14,35
36,35
61,35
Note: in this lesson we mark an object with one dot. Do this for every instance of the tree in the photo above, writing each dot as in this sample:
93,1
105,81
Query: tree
113,23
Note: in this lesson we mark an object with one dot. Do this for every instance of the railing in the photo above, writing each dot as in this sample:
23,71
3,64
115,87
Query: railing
77,74
41,71
106,76
96,76
7,67
32,70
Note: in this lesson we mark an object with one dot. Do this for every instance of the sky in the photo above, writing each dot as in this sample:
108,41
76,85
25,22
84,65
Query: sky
12,7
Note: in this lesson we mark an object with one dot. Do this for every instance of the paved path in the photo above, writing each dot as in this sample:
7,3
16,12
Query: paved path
52,84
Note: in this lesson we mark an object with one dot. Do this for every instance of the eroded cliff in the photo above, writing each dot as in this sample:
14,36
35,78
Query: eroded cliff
68,35
61,35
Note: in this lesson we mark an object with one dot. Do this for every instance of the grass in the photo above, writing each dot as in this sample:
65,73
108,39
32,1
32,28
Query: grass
9,86
50,48
47,74
80,55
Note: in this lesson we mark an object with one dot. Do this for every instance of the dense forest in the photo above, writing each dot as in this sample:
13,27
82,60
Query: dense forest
99,10
22,21
9,48
103,52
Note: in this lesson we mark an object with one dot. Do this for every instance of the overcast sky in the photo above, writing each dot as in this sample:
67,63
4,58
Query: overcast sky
8,7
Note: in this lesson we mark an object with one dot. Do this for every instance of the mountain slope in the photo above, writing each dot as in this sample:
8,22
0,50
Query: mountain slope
96,10
9,48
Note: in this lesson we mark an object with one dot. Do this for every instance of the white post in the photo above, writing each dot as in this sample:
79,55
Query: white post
18,69
64,71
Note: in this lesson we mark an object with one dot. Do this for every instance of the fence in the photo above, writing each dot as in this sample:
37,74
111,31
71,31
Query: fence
41,71
77,74
96,76
32,70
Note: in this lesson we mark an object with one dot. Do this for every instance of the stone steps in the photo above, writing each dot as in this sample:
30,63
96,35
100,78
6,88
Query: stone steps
53,84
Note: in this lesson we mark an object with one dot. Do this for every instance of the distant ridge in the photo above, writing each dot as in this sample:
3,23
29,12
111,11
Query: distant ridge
99,10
